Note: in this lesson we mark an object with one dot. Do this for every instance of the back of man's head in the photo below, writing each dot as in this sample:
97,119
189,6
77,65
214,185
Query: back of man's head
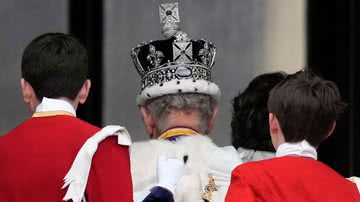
306,107
250,118
185,103
55,65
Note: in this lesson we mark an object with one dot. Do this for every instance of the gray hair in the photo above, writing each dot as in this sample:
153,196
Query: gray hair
160,108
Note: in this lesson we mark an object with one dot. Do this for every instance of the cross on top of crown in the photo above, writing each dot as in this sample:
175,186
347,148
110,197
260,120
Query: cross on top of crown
169,13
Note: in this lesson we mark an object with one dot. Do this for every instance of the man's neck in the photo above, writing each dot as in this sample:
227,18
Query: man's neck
187,120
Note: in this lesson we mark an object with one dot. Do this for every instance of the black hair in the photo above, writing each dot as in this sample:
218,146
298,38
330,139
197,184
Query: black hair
55,65
306,107
250,126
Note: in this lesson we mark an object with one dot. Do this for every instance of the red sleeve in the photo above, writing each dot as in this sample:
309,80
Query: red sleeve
240,189
110,175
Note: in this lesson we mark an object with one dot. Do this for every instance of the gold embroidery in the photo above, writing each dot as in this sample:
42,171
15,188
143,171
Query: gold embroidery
209,189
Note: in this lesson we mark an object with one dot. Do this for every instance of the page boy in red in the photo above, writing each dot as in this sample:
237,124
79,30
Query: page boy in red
303,112
36,155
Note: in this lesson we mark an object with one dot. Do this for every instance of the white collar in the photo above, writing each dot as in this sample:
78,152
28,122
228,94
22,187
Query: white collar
302,148
50,104
254,155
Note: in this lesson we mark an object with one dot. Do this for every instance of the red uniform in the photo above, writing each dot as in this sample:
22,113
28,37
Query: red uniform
290,178
35,157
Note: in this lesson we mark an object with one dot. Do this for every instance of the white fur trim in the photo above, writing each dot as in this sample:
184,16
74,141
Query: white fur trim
144,157
179,86
204,158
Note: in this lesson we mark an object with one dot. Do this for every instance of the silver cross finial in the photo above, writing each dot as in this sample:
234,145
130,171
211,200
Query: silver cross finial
169,16
169,12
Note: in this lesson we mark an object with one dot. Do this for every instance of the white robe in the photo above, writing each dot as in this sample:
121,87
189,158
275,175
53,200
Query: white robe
204,158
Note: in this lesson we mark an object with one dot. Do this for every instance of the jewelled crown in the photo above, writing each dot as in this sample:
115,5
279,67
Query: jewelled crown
177,64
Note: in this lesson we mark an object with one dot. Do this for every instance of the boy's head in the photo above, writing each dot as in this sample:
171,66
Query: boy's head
54,65
303,107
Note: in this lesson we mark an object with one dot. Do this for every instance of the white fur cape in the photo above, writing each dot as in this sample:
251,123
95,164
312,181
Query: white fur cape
204,158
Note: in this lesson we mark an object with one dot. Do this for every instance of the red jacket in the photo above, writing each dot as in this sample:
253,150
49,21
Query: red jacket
293,179
35,157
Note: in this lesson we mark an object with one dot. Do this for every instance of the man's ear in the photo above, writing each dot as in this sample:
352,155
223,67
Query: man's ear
29,95
84,91
212,120
148,120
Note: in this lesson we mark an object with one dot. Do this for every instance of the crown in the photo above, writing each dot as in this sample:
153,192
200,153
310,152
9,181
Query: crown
177,64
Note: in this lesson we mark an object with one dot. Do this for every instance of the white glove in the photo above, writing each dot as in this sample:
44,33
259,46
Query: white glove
169,171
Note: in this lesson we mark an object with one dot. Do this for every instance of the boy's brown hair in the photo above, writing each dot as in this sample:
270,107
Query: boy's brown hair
306,106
